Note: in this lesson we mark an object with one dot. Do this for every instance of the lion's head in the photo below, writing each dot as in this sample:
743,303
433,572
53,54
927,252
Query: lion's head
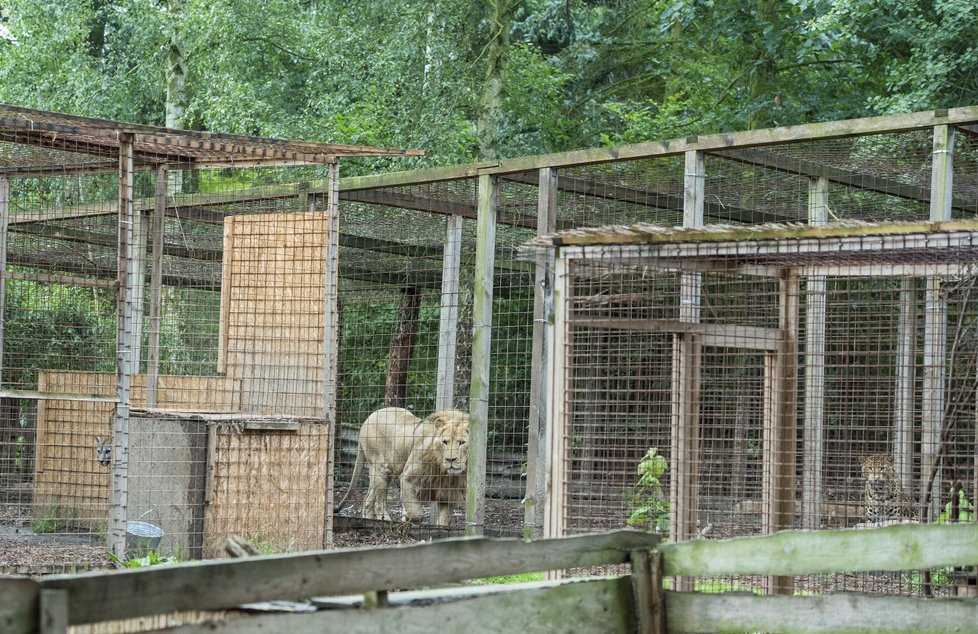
451,442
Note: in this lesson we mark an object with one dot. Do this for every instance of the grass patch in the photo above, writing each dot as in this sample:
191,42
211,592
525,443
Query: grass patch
523,578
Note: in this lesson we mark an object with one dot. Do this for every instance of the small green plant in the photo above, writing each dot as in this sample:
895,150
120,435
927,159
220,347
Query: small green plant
151,558
523,578
646,508
44,525
966,510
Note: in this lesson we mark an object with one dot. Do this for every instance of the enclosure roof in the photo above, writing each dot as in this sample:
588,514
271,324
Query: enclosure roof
773,244
37,141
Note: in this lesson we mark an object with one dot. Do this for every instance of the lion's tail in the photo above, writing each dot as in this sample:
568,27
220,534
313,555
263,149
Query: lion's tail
357,467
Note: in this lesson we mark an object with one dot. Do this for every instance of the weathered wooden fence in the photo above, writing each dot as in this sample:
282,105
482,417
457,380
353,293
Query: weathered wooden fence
637,601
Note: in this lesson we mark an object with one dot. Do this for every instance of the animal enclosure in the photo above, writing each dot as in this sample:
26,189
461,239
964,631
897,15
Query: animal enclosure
764,364
433,307
143,267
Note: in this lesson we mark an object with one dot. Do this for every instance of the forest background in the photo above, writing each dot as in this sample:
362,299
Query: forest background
483,79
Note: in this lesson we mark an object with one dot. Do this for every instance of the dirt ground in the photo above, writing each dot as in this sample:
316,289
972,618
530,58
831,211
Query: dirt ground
22,551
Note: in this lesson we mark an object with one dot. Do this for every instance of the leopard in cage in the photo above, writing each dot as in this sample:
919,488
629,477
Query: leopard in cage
885,500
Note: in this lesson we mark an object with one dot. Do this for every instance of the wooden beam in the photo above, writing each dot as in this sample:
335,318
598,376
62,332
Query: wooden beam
331,338
558,452
898,547
811,169
843,613
716,142
654,199
719,335
216,585
156,288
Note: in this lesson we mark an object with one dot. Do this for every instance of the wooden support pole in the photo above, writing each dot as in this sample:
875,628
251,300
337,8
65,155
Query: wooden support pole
905,389
448,315
686,356
780,420
331,335
814,421
558,452
4,223
485,251
124,360
935,326
156,289
536,474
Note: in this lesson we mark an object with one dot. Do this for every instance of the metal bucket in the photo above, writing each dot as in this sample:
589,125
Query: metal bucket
142,537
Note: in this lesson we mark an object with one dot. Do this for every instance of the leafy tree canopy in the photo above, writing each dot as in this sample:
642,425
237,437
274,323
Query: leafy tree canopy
574,73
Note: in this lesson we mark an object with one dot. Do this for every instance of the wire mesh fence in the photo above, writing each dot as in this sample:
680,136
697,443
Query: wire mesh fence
824,381
234,317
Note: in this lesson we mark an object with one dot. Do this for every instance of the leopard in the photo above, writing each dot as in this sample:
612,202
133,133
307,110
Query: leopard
886,501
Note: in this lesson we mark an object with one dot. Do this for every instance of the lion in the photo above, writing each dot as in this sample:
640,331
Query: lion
429,456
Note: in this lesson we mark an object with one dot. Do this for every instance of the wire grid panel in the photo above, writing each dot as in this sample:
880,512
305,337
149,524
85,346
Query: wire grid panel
875,409
59,443
405,314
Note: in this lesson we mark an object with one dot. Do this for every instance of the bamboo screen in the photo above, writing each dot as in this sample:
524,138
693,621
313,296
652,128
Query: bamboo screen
764,372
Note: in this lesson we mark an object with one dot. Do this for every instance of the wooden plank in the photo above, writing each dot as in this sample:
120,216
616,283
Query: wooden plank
225,584
402,200
485,251
54,611
719,335
856,180
905,390
897,547
43,395
53,278
851,236
836,614
642,590
591,606
19,601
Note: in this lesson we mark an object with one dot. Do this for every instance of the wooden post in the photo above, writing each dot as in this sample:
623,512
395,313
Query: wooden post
558,451
935,326
54,611
448,315
156,288
139,250
905,388
331,335
780,400
818,194
485,252
686,354
4,222
648,592
536,477
124,332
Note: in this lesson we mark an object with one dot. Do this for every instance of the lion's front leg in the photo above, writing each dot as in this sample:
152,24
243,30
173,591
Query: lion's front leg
444,512
413,510
375,502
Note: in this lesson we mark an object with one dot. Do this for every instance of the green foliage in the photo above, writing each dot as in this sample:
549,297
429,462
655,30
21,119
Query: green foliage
151,558
966,510
647,509
521,578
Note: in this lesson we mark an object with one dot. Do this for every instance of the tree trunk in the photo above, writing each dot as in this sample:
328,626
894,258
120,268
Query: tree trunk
176,90
402,346
491,103
762,86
